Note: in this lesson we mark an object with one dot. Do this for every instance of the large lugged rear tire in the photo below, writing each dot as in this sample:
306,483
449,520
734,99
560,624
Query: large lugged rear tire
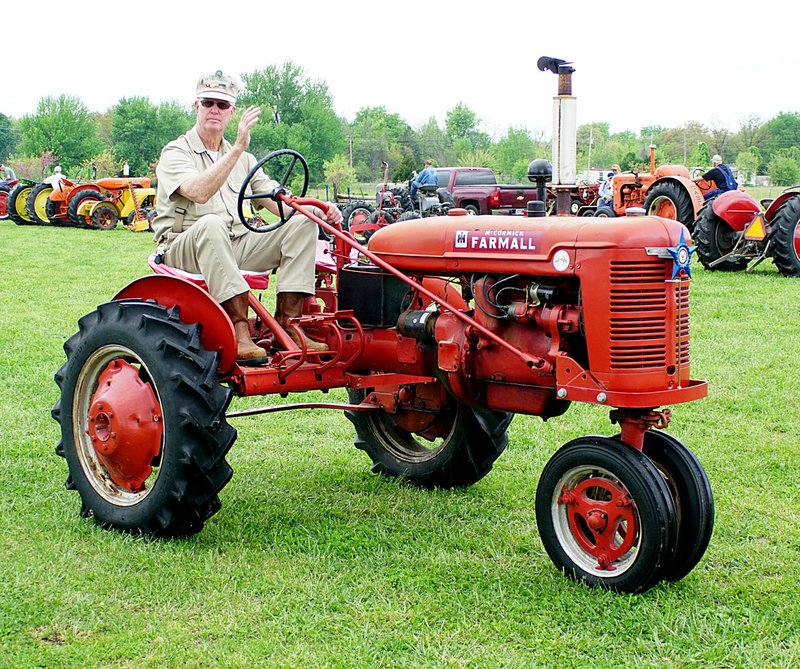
457,448
670,200
605,515
75,203
17,204
142,417
786,242
355,213
714,239
36,204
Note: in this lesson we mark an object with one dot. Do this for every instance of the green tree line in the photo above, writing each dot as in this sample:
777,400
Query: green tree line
298,113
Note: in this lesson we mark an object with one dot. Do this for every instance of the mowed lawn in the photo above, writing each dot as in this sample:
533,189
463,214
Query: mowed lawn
315,562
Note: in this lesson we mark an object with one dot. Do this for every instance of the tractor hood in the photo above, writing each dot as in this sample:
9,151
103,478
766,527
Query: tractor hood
511,244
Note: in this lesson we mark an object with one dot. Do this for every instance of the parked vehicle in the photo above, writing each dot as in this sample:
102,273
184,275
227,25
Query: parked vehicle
668,191
450,326
476,190
5,189
733,232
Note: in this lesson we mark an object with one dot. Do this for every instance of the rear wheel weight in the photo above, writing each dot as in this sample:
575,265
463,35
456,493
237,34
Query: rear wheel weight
605,515
463,455
109,458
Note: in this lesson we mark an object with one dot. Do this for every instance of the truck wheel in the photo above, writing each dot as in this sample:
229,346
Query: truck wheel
75,204
605,515
17,204
142,418
786,242
691,495
472,209
670,200
356,213
456,448
36,203
714,239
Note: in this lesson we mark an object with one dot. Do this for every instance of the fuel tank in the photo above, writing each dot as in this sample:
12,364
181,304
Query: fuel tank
511,244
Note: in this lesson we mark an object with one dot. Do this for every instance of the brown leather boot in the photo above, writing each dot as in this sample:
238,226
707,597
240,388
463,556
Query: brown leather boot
290,305
247,352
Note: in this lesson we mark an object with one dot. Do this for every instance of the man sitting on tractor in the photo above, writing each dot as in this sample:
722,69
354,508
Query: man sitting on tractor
428,177
199,179
721,175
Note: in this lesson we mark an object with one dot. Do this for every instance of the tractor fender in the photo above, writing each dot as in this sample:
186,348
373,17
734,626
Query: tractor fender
93,205
81,188
196,306
778,202
736,208
688,185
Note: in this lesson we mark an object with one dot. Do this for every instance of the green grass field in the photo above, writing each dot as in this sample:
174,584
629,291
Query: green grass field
314,562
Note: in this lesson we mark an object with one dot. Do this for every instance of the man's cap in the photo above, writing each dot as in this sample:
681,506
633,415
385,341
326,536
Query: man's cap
716,158
217,86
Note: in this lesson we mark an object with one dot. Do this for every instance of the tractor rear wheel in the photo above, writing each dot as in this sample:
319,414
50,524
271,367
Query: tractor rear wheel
75,203
355,214
605,515
714,239
36,204
408,216
670,200
3,202
786,241
450,449
691,495
16,203
142,417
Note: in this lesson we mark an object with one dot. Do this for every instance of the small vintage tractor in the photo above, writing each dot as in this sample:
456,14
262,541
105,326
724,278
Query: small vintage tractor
733,232
101,204
5,189
441,330
668,191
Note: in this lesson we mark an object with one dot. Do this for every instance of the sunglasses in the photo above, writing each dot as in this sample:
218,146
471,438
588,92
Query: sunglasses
219,103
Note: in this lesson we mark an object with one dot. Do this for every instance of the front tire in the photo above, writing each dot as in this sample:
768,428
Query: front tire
786,242
670,200
714,239
458,446
605,515
142,417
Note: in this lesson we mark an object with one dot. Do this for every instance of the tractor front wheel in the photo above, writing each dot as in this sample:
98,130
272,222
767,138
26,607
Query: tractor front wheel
786,242
450,449
715,239
691,495
142,417
605,515
670,200
104,216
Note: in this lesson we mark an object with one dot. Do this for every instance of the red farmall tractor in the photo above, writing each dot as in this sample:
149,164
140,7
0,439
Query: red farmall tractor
734,233
441,330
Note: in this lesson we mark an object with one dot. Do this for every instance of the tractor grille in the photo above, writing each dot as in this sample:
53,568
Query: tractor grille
645,308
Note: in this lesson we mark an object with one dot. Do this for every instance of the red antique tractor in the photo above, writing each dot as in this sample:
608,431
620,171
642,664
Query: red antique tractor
734,233
440,330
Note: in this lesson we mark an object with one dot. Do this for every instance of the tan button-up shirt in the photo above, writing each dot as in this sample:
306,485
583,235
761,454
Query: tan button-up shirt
183,159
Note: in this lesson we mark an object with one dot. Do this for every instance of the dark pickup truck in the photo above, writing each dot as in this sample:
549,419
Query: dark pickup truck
476,190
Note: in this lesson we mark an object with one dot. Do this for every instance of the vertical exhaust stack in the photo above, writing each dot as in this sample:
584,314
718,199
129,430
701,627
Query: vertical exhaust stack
565,132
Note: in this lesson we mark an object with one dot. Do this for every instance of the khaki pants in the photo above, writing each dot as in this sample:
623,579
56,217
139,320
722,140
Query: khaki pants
206,247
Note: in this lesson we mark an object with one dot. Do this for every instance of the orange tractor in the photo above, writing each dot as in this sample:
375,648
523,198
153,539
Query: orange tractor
668,191
97,205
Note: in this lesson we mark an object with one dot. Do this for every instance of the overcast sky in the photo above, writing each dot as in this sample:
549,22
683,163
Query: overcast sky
636,64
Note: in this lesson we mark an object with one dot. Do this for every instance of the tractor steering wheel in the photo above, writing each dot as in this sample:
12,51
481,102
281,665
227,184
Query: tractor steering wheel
287,166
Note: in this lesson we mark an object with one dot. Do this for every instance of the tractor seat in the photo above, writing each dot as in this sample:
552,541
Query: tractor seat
428,189
256,280
118,183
